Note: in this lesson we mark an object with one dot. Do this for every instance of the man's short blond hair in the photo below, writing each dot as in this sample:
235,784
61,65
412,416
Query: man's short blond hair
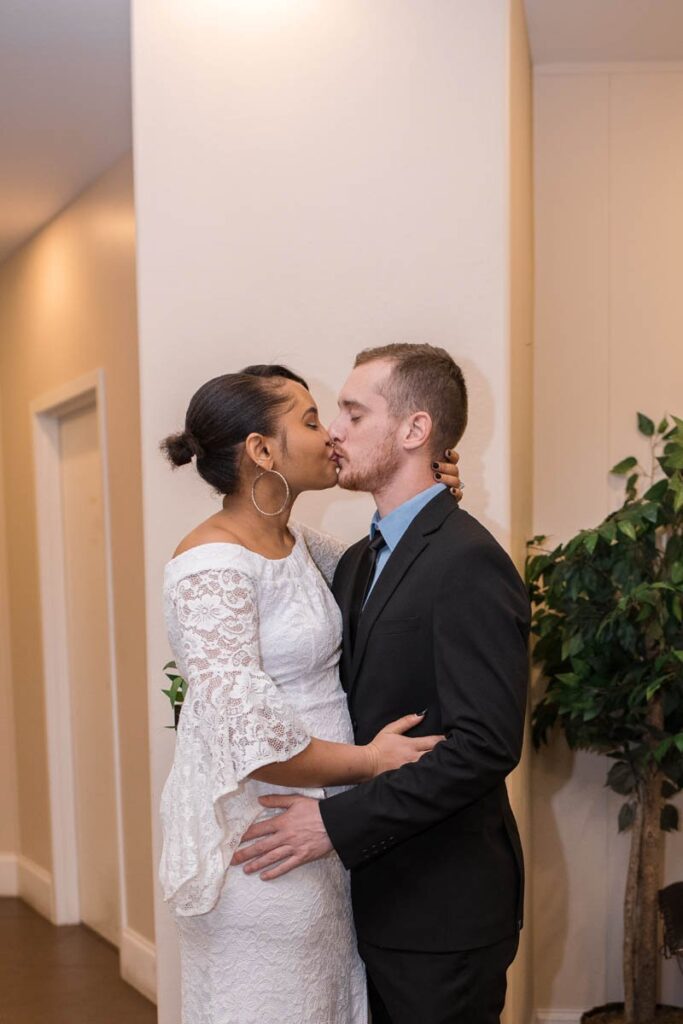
424,378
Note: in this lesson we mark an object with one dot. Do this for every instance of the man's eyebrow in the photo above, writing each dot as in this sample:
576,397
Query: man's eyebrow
351,403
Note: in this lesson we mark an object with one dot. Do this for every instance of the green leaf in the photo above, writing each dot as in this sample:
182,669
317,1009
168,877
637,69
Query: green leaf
624,466
678,654
657,491
573,645
673,459
668,818
662,749
590,541
627,529
650,511
662,426
652,689
608,530
626,816
678,740
645,425
620,778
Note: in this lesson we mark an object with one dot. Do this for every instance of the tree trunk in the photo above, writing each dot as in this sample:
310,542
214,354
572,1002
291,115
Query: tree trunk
631,914
641,923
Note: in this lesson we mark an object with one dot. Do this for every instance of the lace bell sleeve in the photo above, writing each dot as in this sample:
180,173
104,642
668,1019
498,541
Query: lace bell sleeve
324,549
234,720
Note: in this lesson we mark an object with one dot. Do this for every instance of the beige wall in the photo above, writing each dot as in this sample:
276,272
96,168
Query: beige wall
609,323
313,178
68,306
520,384
9,814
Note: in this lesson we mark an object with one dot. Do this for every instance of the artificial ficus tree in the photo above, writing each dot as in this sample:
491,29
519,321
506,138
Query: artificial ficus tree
608,628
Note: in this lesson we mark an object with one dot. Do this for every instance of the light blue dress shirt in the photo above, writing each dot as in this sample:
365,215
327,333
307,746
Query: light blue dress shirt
395,524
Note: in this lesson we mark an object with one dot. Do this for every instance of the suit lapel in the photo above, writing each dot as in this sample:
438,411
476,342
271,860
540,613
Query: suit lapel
344,601
410,547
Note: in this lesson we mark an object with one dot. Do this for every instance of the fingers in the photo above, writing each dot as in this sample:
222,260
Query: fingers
245,853
282,869
277,801
429,742
268,859
447,470
402,725
448,473
259,829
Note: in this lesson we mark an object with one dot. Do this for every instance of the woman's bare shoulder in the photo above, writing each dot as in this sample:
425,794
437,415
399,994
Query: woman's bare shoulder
208,532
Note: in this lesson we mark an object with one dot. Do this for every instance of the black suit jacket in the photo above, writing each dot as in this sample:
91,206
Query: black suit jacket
434,852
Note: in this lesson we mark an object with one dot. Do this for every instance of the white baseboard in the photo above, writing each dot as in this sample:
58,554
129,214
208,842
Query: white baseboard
559,1016
35,887
9,875
138,963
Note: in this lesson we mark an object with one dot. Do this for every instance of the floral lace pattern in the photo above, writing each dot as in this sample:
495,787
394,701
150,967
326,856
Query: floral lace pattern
258,641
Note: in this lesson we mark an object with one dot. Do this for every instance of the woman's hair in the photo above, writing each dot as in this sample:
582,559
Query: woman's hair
220,417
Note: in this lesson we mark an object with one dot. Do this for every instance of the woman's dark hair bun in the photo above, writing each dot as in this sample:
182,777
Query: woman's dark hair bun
223,412
179,448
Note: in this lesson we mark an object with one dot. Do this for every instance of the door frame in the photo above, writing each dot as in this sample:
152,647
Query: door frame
46,412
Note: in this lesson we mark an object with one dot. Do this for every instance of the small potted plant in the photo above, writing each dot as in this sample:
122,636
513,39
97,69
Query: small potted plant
608,628
176,691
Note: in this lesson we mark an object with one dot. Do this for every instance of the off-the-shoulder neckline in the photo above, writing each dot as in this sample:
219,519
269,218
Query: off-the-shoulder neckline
293,529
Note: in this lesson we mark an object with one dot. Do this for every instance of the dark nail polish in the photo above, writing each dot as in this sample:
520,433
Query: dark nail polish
423,713
438,476
448,453
435,465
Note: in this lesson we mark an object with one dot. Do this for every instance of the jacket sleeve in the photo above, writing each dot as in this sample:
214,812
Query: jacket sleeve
480,638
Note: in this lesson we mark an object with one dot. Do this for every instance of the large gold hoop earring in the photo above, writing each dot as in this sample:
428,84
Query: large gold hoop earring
287,494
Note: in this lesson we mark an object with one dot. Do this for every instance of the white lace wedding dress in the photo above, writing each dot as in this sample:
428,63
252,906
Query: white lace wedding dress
258,641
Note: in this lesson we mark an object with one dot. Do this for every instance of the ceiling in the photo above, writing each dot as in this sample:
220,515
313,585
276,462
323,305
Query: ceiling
65,83
579,31
65,114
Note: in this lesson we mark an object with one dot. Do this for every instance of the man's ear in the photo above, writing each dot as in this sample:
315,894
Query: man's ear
418,431
257,449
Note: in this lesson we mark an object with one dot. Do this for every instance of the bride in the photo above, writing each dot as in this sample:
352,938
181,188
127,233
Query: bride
256,633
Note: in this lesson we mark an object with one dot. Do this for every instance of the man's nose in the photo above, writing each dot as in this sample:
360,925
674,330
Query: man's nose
334,430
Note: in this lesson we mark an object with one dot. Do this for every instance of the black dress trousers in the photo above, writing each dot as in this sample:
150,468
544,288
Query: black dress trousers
465,987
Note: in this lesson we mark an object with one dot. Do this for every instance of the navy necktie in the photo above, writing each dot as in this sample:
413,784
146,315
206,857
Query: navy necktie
361,584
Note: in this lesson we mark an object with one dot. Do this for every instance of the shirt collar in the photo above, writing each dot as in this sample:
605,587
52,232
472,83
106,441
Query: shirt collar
396,522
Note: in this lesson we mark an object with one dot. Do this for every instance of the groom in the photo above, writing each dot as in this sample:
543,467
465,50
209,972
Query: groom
436,617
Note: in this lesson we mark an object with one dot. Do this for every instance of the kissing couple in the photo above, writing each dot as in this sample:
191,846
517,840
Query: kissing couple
336,824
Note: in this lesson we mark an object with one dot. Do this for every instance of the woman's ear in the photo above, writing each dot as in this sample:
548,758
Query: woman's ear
257,449
418,430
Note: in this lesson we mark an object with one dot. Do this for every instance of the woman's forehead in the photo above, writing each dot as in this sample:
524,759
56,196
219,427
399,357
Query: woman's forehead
299,396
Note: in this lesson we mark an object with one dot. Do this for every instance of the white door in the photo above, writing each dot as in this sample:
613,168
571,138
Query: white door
89,682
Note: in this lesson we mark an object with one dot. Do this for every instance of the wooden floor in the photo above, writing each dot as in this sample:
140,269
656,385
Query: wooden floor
66,975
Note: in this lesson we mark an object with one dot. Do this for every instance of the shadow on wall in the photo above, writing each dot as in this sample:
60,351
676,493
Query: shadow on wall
552,768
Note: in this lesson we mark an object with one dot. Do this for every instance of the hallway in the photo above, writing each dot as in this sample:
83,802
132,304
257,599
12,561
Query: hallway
64,975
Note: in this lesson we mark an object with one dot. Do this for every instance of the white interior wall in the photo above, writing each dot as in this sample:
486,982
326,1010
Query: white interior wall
609,319
313,178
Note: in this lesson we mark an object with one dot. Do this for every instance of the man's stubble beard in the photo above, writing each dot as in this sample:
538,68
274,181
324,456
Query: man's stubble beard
377,472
